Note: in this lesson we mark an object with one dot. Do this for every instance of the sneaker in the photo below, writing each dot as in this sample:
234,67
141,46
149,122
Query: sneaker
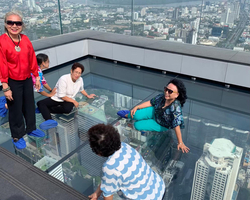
20,144
37,110
37,133
122,113
48,124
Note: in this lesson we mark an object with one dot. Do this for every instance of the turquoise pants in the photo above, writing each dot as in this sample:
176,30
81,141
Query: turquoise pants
145,120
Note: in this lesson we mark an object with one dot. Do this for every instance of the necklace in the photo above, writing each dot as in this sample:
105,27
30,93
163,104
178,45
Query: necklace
17,48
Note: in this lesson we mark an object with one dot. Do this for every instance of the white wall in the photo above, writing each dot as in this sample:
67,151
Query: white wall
206,68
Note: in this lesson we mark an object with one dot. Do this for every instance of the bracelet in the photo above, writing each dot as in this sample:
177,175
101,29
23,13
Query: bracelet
180,143
37,78
7,89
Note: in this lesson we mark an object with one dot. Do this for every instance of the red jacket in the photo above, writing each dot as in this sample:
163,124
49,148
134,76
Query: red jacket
17,65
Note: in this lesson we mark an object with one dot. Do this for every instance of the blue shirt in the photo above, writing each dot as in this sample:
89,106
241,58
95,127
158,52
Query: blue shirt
169,117
127,172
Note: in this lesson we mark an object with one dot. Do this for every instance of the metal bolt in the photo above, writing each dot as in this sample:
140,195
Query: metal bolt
193,78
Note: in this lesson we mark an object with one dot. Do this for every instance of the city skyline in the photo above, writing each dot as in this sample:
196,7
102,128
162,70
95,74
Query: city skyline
215,23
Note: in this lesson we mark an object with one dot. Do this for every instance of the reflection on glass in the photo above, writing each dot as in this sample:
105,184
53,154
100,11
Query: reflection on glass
218,137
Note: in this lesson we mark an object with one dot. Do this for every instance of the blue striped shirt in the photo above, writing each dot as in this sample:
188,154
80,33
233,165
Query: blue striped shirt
127,172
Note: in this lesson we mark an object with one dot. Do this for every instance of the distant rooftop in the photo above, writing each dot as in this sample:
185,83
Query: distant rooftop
221,147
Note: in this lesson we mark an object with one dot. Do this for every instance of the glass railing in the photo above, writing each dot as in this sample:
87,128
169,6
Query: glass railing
222,24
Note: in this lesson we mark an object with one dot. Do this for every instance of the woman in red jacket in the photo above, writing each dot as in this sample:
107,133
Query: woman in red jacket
17,62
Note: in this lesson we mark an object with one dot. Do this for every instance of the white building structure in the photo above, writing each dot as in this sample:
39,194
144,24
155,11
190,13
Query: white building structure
216,171
195,26
46,162
120,10
143,12
136,15
122,101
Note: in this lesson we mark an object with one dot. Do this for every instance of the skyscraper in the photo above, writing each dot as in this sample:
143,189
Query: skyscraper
216,171
228,17
122,101
136,15
194,26
143,11
176,13
46,162
67,131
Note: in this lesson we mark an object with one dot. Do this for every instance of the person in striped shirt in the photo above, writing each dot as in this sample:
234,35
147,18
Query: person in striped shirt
125,172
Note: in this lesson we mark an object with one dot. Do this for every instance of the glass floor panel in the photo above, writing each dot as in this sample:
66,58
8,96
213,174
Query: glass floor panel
210,113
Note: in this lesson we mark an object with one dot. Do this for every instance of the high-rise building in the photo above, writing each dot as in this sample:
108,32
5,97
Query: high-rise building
228,17
33,3
136,15
89,116
225,31
216,31
122,101
28,3
143,12
46,162
194,25
194,10
237,9
176,13
216,171
120,10
67,131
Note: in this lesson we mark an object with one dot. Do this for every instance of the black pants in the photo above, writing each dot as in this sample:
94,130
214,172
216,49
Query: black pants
21,107
47,106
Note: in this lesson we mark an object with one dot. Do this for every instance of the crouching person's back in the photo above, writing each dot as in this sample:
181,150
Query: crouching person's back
125,171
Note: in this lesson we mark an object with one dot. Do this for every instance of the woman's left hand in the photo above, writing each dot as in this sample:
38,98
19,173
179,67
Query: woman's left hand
183,147
38,85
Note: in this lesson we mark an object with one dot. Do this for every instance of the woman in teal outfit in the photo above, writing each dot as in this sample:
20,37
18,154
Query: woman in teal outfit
162,113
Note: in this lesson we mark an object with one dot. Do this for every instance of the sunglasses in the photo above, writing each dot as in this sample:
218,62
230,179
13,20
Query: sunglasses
11,23
169,91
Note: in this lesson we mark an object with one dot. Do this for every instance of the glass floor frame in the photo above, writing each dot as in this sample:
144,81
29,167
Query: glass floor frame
65,153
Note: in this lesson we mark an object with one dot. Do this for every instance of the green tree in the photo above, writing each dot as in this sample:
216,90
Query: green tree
66,165
74,169
74,161
98,180
83,171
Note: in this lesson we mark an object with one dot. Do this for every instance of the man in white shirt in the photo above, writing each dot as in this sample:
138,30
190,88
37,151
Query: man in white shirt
64,100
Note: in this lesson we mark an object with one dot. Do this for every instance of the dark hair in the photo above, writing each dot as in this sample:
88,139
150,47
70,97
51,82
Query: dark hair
77,65
104,139
41,57
181,90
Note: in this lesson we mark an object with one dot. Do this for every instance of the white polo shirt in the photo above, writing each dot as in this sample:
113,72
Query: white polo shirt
66,87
